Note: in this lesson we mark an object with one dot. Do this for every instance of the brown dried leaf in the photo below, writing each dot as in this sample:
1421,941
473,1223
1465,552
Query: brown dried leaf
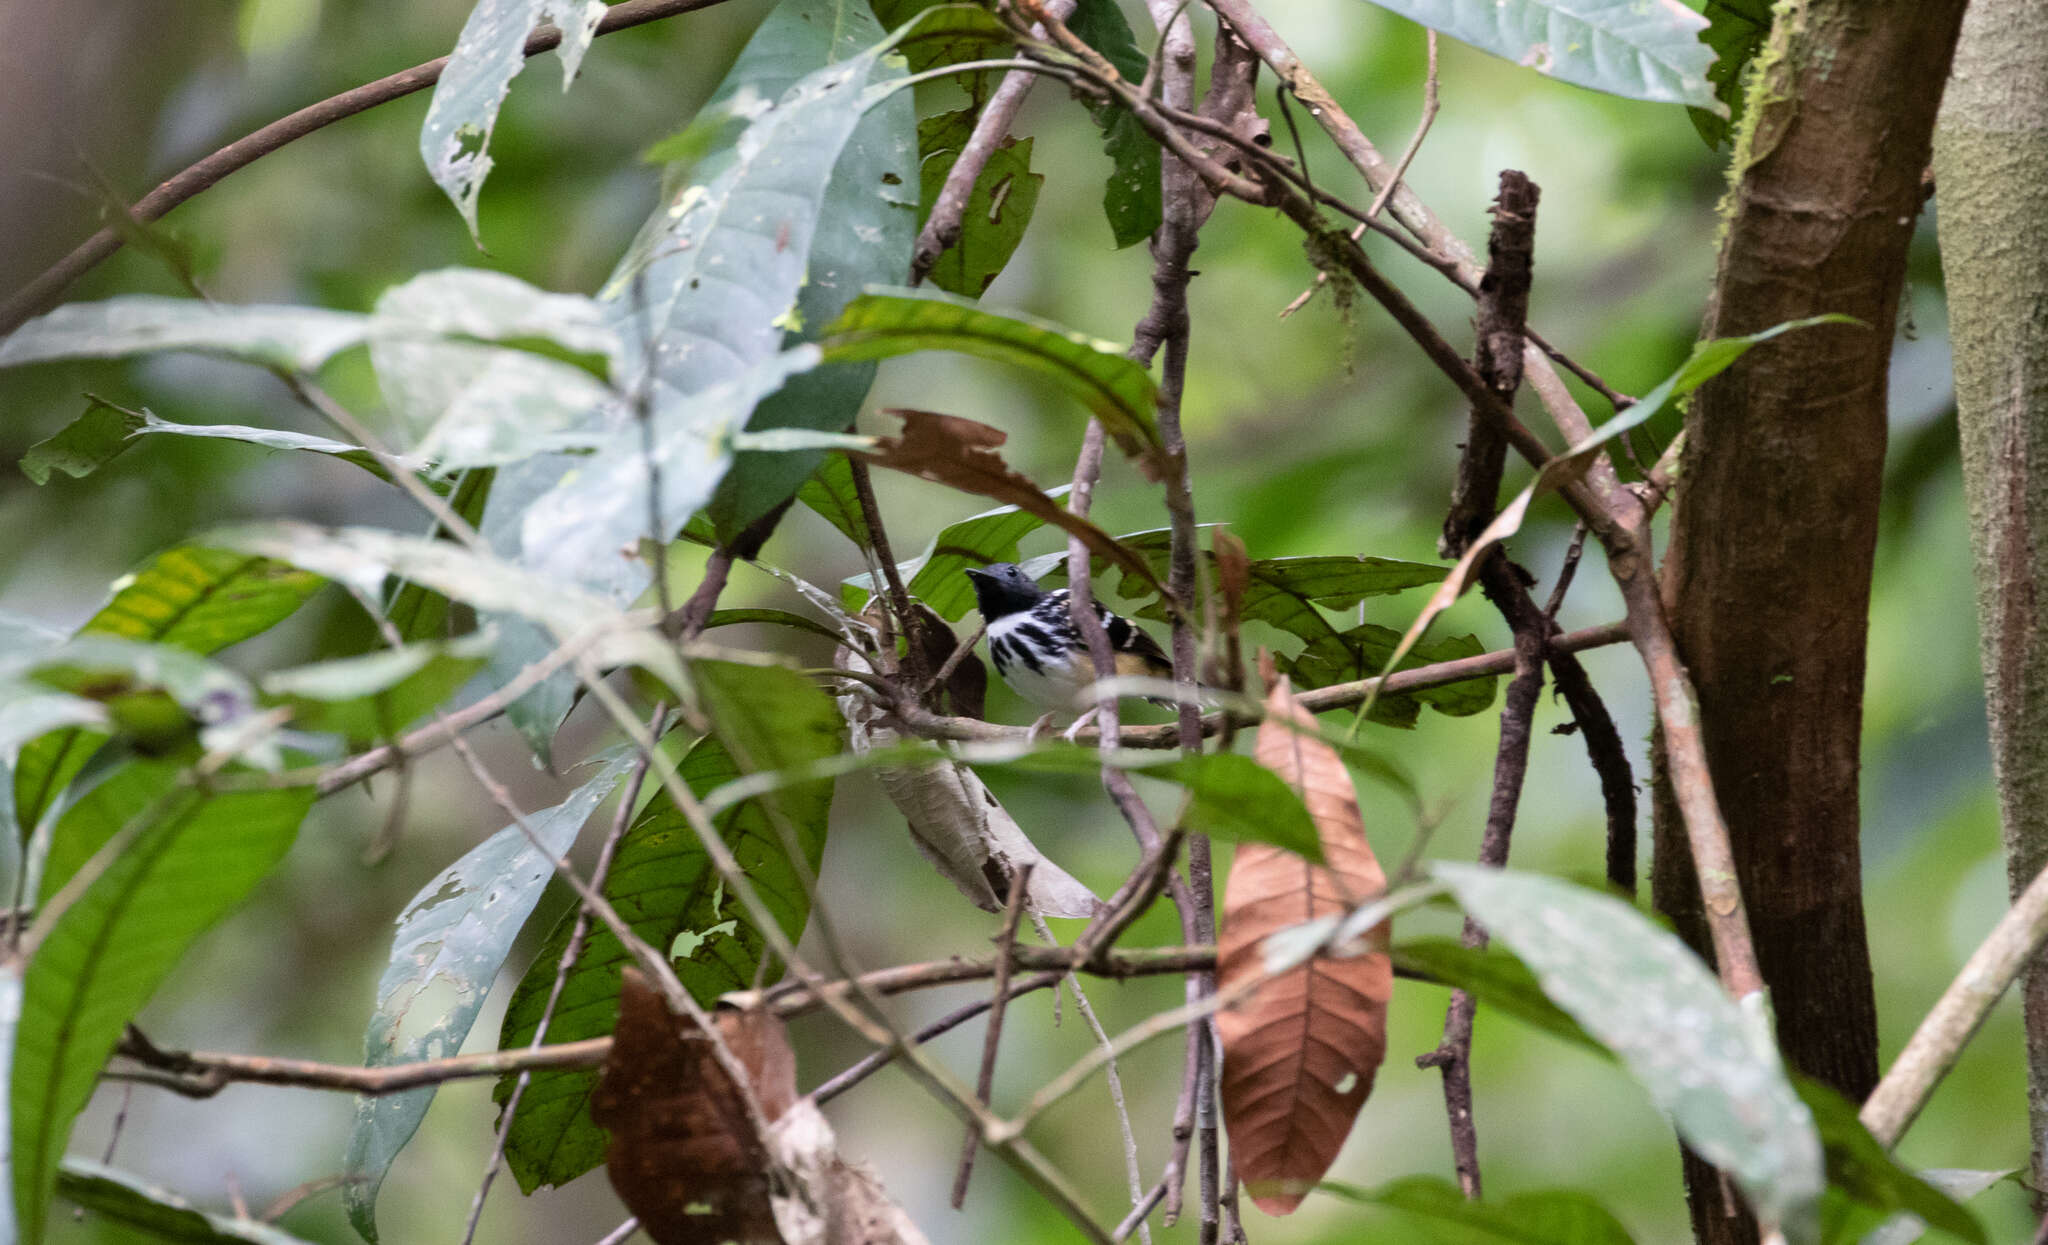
960,453
685,1155
1300,1053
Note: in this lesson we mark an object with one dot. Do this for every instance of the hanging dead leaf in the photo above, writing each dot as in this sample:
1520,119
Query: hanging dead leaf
1300,1053
961,454
685,1155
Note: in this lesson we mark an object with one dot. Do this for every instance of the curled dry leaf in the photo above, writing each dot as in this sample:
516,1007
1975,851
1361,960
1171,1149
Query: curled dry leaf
685,1155
961,454
688,1158
1300,1053
957,823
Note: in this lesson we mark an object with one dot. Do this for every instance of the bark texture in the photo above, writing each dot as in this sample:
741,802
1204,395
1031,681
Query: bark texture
1991,167
1775,524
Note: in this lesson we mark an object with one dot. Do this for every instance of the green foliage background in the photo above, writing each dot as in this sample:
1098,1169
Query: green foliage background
1321,434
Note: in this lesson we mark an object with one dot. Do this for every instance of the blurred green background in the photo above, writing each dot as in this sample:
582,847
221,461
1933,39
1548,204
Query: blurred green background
1324,433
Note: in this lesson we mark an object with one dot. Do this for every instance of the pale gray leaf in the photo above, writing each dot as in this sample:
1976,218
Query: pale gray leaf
451,942
455,141
1642,49
1645,996
1960,1183
300,338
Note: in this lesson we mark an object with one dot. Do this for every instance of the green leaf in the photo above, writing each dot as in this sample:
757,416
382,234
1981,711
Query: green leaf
1868,1174
84,445
10,1019
455,141
1736,30
999,207
158,1214
1959,1183
1548,1217
937,576
865,225
452,939
1706,1062
1234,797
830,493
375,695
1361,652
945,34
1647,51
1495,978
665,887
416,610
195,858
882,324
193,597
1131,197
779,618
299,338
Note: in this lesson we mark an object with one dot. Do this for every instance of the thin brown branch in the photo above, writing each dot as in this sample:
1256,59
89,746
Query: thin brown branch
46,289
999,999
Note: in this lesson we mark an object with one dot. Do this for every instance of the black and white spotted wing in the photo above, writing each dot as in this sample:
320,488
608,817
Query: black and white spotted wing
1039,652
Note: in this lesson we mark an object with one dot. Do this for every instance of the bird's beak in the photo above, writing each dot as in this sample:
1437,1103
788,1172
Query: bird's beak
978,574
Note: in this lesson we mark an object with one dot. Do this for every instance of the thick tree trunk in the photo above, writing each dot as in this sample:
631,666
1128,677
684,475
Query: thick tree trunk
1776,517
1991,170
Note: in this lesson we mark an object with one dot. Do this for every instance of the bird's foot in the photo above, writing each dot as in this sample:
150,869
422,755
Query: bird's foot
1038,729
1079,723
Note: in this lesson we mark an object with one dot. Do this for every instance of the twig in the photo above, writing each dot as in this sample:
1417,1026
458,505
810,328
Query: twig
999,999
43,292
285,1201
1956,1015
898,597
620,1234
687,623
1139,1212
873,1062
942,228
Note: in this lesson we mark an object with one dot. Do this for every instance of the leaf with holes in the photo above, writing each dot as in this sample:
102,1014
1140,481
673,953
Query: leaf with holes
665,887
490,52
1131,197
194,597
452,939
1641,49
882,324
193,858
999,206
1289,1103
1705,1061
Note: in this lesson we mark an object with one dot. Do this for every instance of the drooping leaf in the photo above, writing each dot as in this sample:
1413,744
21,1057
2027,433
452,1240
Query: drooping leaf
685,1156
1549,1217
1645,996
300,338
961,453
882,324
490,52
84,445
1736,30
665,887
998,209
481,369
1640,49
830,493
1130,199
452,939
1868,1182
935,576
193,859
193,597
865,226
157,1214
1288,1103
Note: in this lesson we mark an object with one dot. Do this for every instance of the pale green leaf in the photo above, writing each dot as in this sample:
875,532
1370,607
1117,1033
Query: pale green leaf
157,1214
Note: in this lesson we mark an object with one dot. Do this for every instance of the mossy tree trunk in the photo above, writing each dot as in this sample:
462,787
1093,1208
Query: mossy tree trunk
1991,174
1775,522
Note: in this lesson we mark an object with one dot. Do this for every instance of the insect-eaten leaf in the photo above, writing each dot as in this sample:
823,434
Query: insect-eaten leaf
999,206
1301,1050
1705,1061
687,1154
1131,196
960,453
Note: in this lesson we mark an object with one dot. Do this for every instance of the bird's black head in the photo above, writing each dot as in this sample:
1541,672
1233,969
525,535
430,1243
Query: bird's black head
1003,588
